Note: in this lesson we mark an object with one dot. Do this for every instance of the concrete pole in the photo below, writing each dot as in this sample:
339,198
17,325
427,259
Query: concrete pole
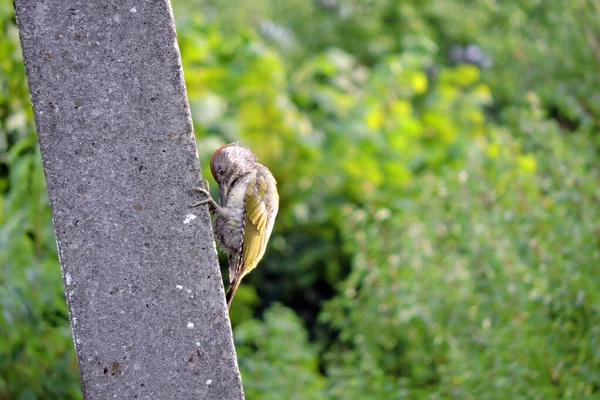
141,278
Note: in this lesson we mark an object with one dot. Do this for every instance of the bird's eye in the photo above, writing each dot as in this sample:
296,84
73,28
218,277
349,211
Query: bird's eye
220,171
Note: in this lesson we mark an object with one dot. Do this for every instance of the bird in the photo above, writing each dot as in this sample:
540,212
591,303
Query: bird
244,217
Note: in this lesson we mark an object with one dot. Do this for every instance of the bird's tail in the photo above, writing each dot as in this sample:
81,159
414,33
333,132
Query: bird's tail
232,289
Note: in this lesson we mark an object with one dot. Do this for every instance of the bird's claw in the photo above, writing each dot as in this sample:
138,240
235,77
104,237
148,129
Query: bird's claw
203,191
208,200
200,203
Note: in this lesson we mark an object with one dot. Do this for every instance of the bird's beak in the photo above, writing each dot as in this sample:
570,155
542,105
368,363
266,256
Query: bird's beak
222,194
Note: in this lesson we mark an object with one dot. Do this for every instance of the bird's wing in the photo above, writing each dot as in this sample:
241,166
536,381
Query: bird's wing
261,209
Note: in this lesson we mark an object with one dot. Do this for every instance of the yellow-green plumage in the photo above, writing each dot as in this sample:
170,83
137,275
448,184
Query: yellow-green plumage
246,211
262,202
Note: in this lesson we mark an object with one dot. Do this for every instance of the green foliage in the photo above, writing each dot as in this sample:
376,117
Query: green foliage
458,235
484,285
520,36
437,236
338,125
276,359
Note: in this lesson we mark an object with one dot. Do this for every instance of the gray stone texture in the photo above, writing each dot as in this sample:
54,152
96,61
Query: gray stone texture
145,295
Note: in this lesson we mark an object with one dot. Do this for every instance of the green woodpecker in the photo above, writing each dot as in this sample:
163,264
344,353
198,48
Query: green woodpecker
244,217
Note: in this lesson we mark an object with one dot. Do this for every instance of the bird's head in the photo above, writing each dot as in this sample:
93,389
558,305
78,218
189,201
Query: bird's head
231,160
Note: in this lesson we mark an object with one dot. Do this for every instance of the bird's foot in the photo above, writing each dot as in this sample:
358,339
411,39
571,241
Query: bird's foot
203,191
208,200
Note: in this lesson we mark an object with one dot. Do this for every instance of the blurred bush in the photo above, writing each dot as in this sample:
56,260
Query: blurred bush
454,236
547,46
483,285
437,236
276,359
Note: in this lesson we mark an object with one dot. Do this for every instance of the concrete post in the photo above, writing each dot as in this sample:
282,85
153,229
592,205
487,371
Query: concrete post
141,278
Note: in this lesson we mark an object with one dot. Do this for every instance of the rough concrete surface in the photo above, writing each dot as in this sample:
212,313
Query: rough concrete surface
145,295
